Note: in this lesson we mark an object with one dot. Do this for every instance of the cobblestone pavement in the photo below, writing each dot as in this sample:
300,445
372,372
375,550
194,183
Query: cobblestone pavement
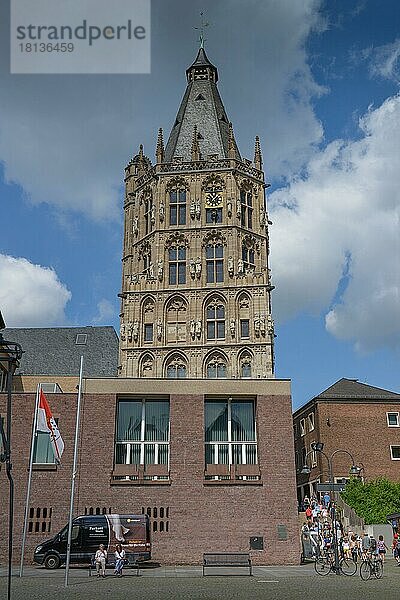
187,583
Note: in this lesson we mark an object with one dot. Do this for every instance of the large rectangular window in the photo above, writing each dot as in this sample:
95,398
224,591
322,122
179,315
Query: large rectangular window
142,436
177,207
177,265
215,263
42,449
230,432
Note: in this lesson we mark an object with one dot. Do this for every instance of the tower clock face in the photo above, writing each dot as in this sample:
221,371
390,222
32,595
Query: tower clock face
213,199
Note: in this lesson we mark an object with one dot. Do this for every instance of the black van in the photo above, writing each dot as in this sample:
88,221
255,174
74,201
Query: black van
131,531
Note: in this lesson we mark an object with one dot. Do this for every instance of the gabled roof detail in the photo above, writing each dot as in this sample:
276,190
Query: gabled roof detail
352,389
201,107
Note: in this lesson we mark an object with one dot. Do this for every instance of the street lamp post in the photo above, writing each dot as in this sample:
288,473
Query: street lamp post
354,470
10,353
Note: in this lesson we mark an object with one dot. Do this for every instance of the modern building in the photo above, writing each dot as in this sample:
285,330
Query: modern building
195,431
356,417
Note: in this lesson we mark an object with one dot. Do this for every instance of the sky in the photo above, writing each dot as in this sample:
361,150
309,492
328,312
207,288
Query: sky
318,81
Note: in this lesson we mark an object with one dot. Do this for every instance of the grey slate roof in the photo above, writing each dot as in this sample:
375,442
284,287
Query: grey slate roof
352,389
347,390
208,114
53,350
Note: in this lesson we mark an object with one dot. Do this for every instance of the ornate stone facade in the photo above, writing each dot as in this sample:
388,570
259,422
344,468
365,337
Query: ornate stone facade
195,299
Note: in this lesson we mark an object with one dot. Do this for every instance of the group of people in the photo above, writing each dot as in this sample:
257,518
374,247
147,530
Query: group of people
321,531
100,560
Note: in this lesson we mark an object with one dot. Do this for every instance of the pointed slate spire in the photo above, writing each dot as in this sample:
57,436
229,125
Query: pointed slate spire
160,147
257,154
195,145
201,104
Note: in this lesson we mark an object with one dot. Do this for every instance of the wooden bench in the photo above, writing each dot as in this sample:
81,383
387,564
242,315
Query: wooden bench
227,559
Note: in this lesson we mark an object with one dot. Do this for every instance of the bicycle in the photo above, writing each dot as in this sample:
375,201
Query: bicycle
325,564
371,566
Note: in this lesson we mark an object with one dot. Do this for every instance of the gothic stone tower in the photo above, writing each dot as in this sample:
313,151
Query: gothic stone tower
196,283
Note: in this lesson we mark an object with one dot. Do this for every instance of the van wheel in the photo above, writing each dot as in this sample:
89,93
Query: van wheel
52,561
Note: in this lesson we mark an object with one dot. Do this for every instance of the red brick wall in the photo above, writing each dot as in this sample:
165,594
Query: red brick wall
201,517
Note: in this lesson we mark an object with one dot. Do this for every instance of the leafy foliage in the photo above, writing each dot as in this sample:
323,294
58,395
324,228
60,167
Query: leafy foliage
373,500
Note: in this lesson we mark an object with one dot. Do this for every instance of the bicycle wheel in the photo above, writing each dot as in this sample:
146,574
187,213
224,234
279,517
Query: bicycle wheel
348,566
322,566
365,570
378,569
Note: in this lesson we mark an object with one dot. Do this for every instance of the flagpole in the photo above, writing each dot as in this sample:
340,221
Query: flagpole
28,491
74,467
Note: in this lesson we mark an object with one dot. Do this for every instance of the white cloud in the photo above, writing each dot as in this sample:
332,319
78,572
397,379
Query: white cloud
105,312
347,204
385,61
66,139
31,295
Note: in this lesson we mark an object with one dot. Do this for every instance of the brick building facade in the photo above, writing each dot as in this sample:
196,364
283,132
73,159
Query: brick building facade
353,416
189,513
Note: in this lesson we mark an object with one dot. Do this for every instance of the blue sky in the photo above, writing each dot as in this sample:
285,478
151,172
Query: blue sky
318,81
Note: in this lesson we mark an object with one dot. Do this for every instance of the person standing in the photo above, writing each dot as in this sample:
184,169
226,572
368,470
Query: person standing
119,559
382,548
100,561
365,544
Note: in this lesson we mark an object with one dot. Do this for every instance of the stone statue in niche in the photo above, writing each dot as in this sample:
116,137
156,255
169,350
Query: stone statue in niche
192,268
262,325
150,272
198,209
238,208
198,328
263,218
159,329
257,325
135,226
270,325
198,267
192,209
129,331
231,266
232,327
193,328
161,211
122,332
160,269
153,214
240,266
135,330
229,207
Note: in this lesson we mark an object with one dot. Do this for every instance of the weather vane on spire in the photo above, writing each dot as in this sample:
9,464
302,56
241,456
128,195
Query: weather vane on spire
203,25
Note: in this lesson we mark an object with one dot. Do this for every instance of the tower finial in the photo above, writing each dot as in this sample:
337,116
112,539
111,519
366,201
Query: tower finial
203,25
231,143
195,145
160,147
257,154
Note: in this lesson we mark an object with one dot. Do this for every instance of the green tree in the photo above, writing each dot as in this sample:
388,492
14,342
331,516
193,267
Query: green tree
373,500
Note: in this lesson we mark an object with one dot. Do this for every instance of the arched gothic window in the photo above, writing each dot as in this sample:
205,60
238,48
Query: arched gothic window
176,317
244,316
147,366
216,367
215,318
245,365
176,367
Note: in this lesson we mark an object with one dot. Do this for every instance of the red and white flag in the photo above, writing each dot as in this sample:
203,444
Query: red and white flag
47,424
